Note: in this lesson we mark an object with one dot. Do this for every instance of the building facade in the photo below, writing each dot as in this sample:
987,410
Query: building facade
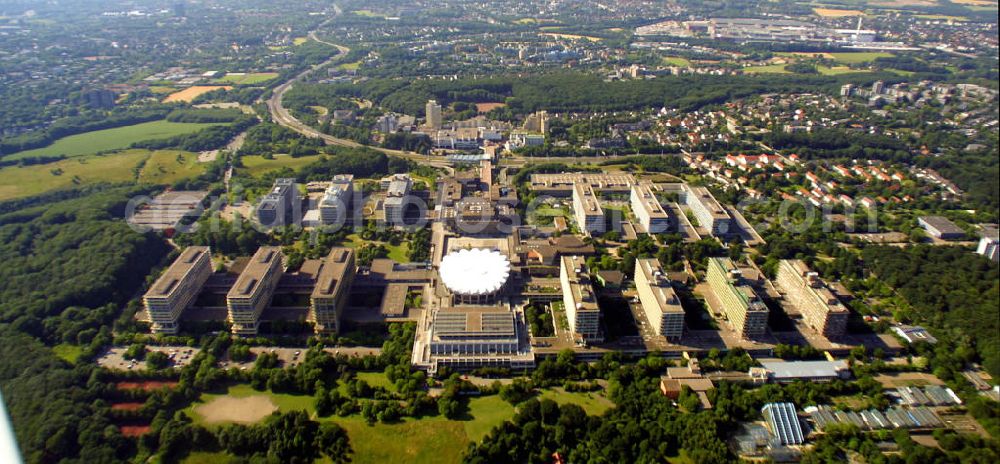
708,211
659,300
744,310
820,308
253,290
280,203
582,310
587,210
394,206
336,201
333,288
647,208
179,285
433,110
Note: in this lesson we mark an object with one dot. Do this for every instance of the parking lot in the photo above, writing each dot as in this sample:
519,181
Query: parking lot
114,358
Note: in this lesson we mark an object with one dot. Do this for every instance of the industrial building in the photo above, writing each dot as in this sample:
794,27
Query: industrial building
939,227
740,303
659,301
253,290
582,310
813,371
281,205
820,308
333,286
707,210
587,210
336,201
653,218
171,294
397,190
783,422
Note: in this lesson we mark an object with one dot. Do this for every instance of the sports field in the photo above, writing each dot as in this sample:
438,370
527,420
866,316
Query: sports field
111,139
247,78
193,92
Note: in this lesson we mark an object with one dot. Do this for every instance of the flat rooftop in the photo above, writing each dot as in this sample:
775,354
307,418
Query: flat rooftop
255,271
580,287
332,272
666,298
942,224
597,180
167,283
591,206
821,291
804,369
648,201
703,196
476,323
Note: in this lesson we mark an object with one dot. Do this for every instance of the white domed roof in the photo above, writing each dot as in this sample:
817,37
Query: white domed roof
476,271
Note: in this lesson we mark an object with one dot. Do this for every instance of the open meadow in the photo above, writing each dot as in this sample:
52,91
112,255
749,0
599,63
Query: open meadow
111,139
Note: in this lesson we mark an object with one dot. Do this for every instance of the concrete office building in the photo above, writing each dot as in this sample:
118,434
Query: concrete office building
587,210
395,202
464,338
647,208
433,110
333,287
336,201
253,290
582,310
820,308
707,210
280,203
659,301
174,291
744,310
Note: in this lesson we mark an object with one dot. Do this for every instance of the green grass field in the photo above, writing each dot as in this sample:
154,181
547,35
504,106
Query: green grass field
676,61
68,352
257,165
769,69
859,57
18,182
111,139
592,402
169,166
247,78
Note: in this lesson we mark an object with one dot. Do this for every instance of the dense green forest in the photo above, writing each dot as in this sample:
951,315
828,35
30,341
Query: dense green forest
951,289
572,92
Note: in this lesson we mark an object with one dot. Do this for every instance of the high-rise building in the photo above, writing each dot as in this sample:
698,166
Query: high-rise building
878,87
582,310
820,308
537,122
989,244
336,201
281,205
253,290
394,206
659,301
708,211
587,210
653,218
740,303
333,287
433,111
847,90
179,285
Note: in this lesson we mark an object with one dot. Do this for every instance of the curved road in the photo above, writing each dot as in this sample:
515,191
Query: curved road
282,116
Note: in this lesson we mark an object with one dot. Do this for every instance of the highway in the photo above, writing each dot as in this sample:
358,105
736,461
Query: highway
283,117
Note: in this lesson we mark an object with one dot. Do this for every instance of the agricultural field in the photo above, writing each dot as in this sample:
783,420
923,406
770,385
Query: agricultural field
111,139
247,78
836,13
190,93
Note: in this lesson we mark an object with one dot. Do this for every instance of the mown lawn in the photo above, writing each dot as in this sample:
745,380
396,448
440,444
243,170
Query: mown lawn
593,403
111,139
68,352
859,57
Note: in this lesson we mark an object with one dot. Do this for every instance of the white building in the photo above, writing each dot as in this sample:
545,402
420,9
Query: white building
179,285
433,110
647,208
587,210
336,200
659,301
582,310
